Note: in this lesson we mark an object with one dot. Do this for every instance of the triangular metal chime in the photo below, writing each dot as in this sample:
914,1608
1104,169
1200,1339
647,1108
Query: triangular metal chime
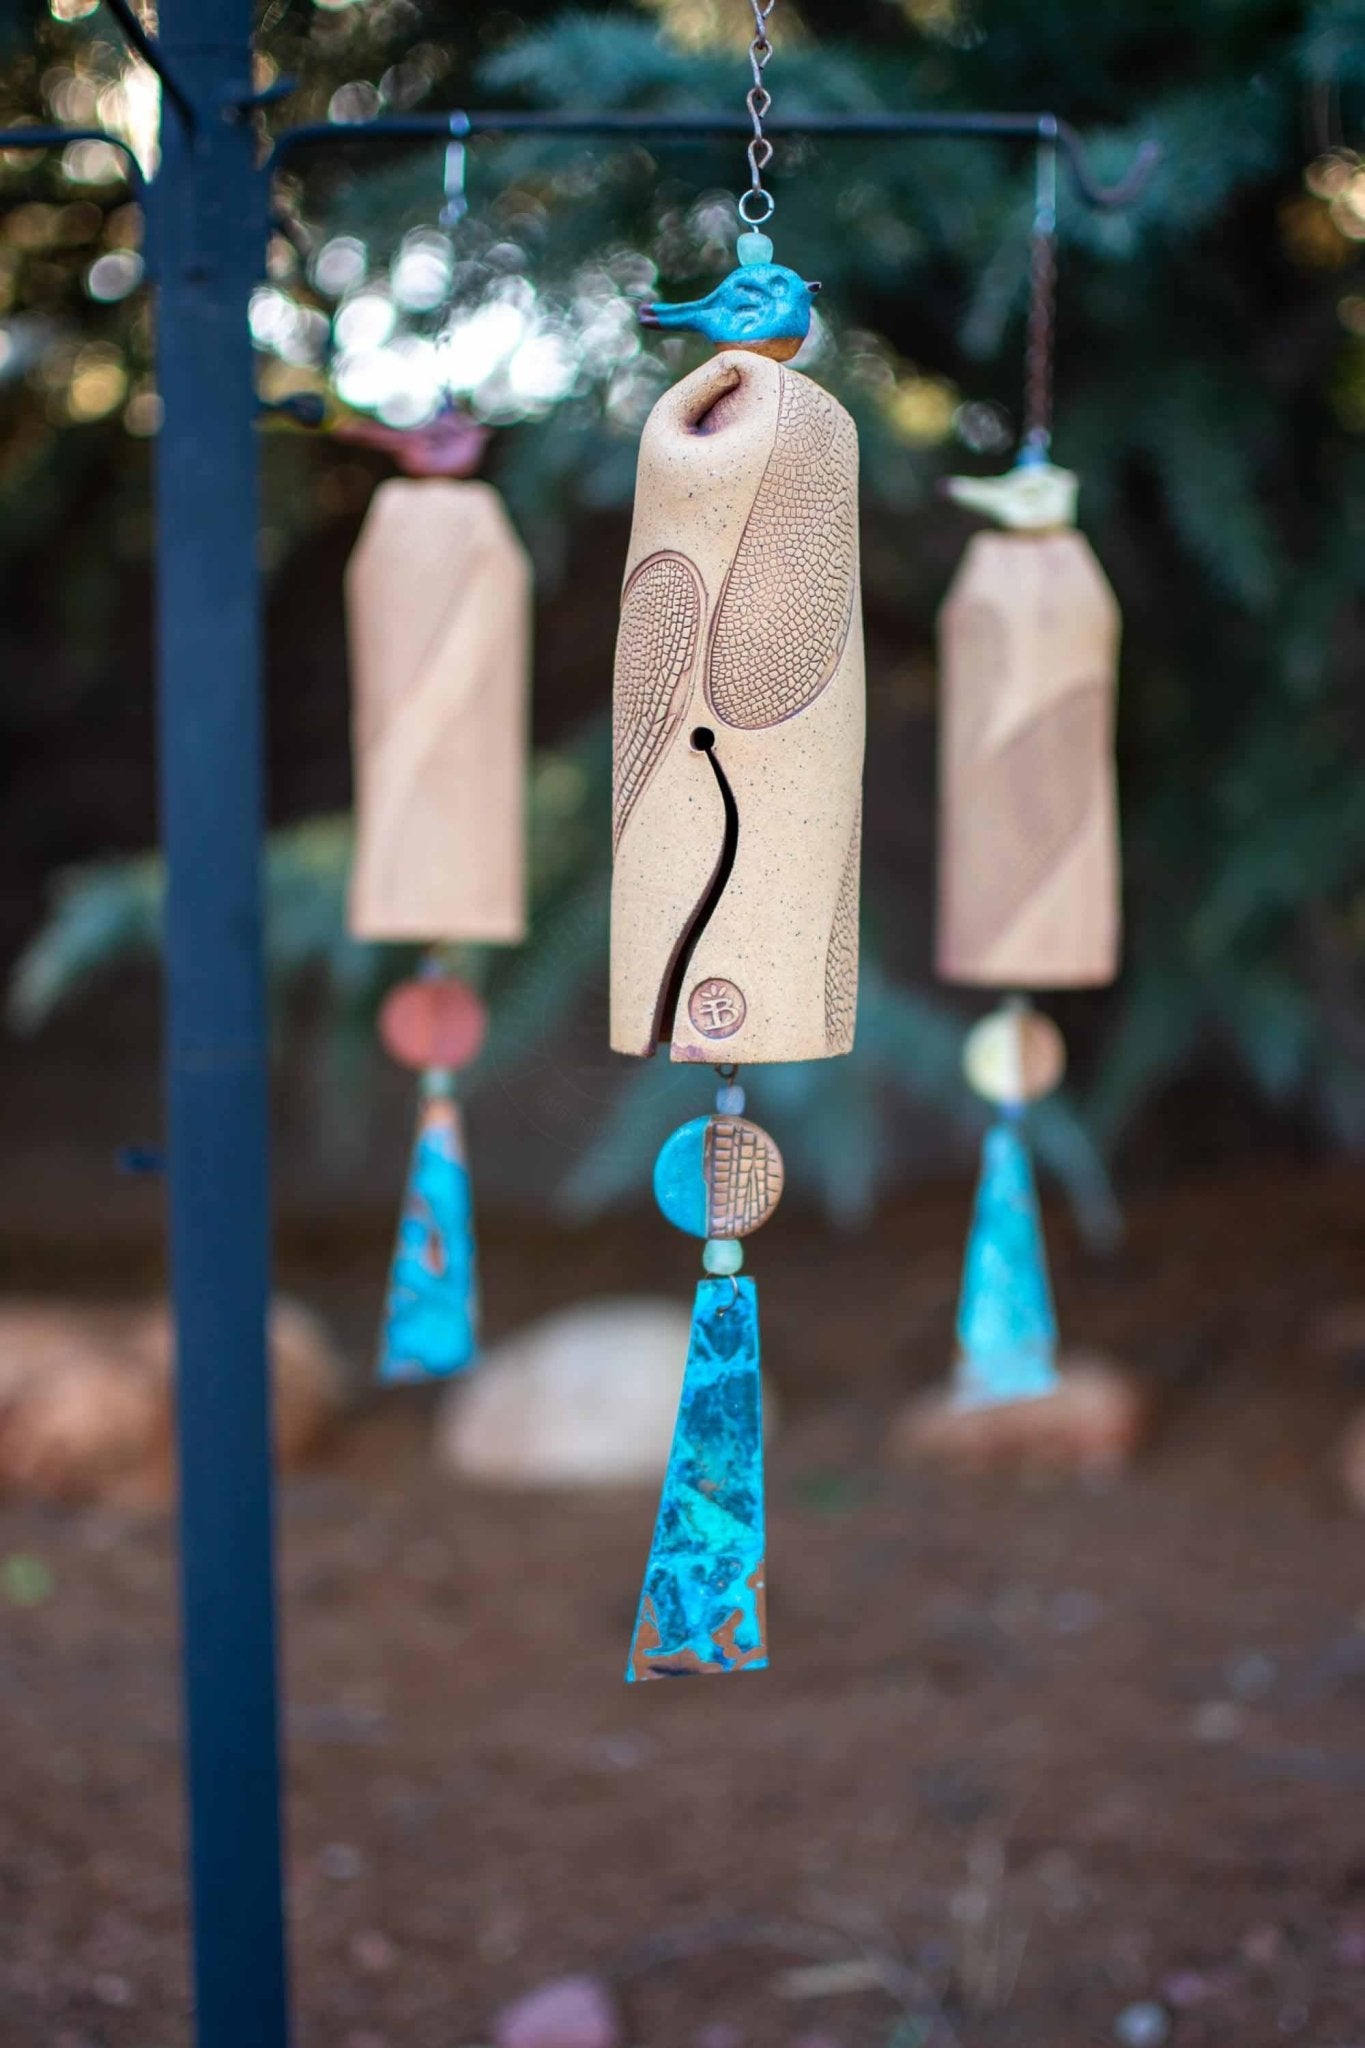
702,1604
431,1314
1006,1329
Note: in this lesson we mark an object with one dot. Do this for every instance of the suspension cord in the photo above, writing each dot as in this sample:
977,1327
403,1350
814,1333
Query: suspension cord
1042,311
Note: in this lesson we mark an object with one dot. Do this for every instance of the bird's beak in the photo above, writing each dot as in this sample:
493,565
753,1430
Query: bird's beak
979,493
812,285
685,314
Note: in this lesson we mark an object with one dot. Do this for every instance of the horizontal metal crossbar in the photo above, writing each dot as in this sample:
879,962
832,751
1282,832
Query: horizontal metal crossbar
674,128
58,138
669,128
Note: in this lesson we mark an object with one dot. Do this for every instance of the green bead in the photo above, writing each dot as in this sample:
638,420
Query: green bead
754,247
722,1255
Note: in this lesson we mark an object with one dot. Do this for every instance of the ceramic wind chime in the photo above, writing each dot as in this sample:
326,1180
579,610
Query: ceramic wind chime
1028,838
438,615
438,605
738,726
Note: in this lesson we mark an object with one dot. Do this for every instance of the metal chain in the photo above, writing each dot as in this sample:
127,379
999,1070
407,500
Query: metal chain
1042,309
757,204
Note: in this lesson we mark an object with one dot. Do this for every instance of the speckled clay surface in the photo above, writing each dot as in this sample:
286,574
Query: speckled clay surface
1028,827
741,616
438,594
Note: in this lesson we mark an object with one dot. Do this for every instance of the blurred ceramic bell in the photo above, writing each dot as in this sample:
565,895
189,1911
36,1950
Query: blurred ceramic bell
1028,872
1028,824
438,614
438,625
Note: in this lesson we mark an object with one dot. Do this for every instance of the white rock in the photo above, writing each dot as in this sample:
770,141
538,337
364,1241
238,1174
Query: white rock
586,1397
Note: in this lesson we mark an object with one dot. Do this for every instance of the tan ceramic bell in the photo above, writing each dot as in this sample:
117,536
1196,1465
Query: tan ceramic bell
438,597
739,716
1028,874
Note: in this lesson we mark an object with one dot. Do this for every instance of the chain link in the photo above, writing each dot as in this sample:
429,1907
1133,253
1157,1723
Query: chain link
757,204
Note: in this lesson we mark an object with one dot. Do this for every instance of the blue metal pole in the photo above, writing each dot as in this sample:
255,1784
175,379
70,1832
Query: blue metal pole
207,239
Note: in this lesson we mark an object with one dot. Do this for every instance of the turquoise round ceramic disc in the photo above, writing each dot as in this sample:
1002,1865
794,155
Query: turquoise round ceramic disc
680,1178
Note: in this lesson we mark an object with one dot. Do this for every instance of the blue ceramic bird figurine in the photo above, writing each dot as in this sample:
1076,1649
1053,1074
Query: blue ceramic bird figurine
762,306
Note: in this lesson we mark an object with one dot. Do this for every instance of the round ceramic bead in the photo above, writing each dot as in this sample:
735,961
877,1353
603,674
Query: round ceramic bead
435,1022
722,1255
718,1176
1014,1055
753,247
730,1100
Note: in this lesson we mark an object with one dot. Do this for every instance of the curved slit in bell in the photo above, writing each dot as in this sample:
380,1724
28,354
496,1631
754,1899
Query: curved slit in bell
703,742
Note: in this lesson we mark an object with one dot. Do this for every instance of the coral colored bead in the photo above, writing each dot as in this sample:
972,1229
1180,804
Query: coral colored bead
435,1022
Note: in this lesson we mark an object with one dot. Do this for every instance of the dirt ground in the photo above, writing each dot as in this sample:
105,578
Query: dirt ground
1027,1756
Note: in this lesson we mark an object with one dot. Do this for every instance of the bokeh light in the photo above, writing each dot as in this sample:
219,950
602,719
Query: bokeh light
99,382
357,101
921,410
340,265
421,274
142,414
113,275
365,321
93,163
1327,175
459,317
983,426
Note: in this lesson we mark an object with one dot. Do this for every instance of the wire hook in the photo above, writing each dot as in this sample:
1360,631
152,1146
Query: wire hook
1124,190
456,204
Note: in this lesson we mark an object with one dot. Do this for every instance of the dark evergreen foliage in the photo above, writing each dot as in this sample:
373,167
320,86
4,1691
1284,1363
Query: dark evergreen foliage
1210,390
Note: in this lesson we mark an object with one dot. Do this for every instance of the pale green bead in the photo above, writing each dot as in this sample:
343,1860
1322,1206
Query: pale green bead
754,247
722,1255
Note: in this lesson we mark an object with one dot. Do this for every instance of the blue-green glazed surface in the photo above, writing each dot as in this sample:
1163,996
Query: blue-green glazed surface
1006,1329
702,1603
431,1315
680,1178
758,302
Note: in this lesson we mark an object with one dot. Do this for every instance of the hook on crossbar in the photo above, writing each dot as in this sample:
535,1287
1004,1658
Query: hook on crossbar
1124,190
58,138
